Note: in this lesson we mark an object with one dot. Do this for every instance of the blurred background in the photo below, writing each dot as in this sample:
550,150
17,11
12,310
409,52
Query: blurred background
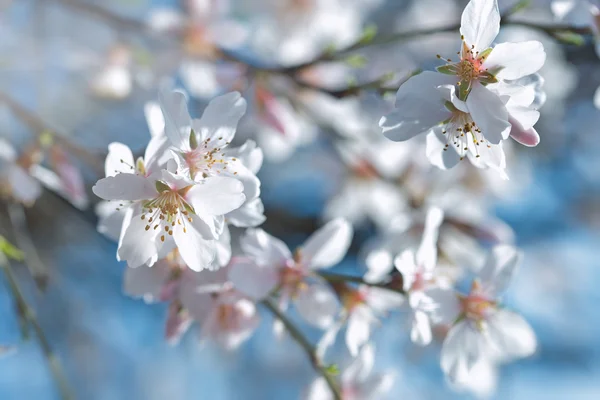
75,75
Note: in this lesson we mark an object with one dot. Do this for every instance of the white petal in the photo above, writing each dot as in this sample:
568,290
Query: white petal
427,252
380,265
250,214
405,264
216,195
524,117
328,339
438,154
197,252
154,119
500,267
442,305
480,23
420,332
597,98
318,305
463,347
110,221
511,335
138,245
318,390
516,60
328,245
361,367
157,154
255,281
119,160
249,153
526,137
359,329
489,113
177,119
265,249
383,300
146,282
24,188
220,118
125,187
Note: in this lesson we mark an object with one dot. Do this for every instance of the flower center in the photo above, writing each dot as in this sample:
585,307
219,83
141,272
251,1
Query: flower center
476,306
459,130
168,209
208,159
468,70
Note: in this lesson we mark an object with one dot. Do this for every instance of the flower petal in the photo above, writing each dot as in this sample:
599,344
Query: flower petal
420,332
359,329
145,281
220,118
438,154
511,335
405,264
427,252
250,214
480,23
119,160
177,119
216,195
489,113
255,281
265,249
516,60
125,187
500,267
197,252
318,305
328,245
463,348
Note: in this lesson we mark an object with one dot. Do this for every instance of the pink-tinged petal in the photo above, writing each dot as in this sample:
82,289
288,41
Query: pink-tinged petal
437,152
177,119
489,113
463,348
146,282
255,281
405,264
526,137
499,269
265,249
198,304
420,332
480,23
427,253
318,305
125,187
216,195
511,336
23,187
220,118
119,160
197,252
359,328
178,322
516,60
328,245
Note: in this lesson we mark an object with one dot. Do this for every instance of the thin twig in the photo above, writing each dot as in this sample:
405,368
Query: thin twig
18,221
306,345
29,315
39,127
331,277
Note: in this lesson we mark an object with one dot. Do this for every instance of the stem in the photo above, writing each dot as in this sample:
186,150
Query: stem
331,277
38,126
29,315
36,267
306,345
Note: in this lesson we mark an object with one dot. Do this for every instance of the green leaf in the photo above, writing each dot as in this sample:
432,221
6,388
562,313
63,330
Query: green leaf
193,140
161,187
356,61
9,250
569,37
449,69
369,33
332,370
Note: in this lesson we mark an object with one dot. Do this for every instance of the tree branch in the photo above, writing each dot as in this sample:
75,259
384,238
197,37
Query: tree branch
306,346
28,314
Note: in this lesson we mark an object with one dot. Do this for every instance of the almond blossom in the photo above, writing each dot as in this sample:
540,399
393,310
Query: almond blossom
357,381
15,181
267,263
482,330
